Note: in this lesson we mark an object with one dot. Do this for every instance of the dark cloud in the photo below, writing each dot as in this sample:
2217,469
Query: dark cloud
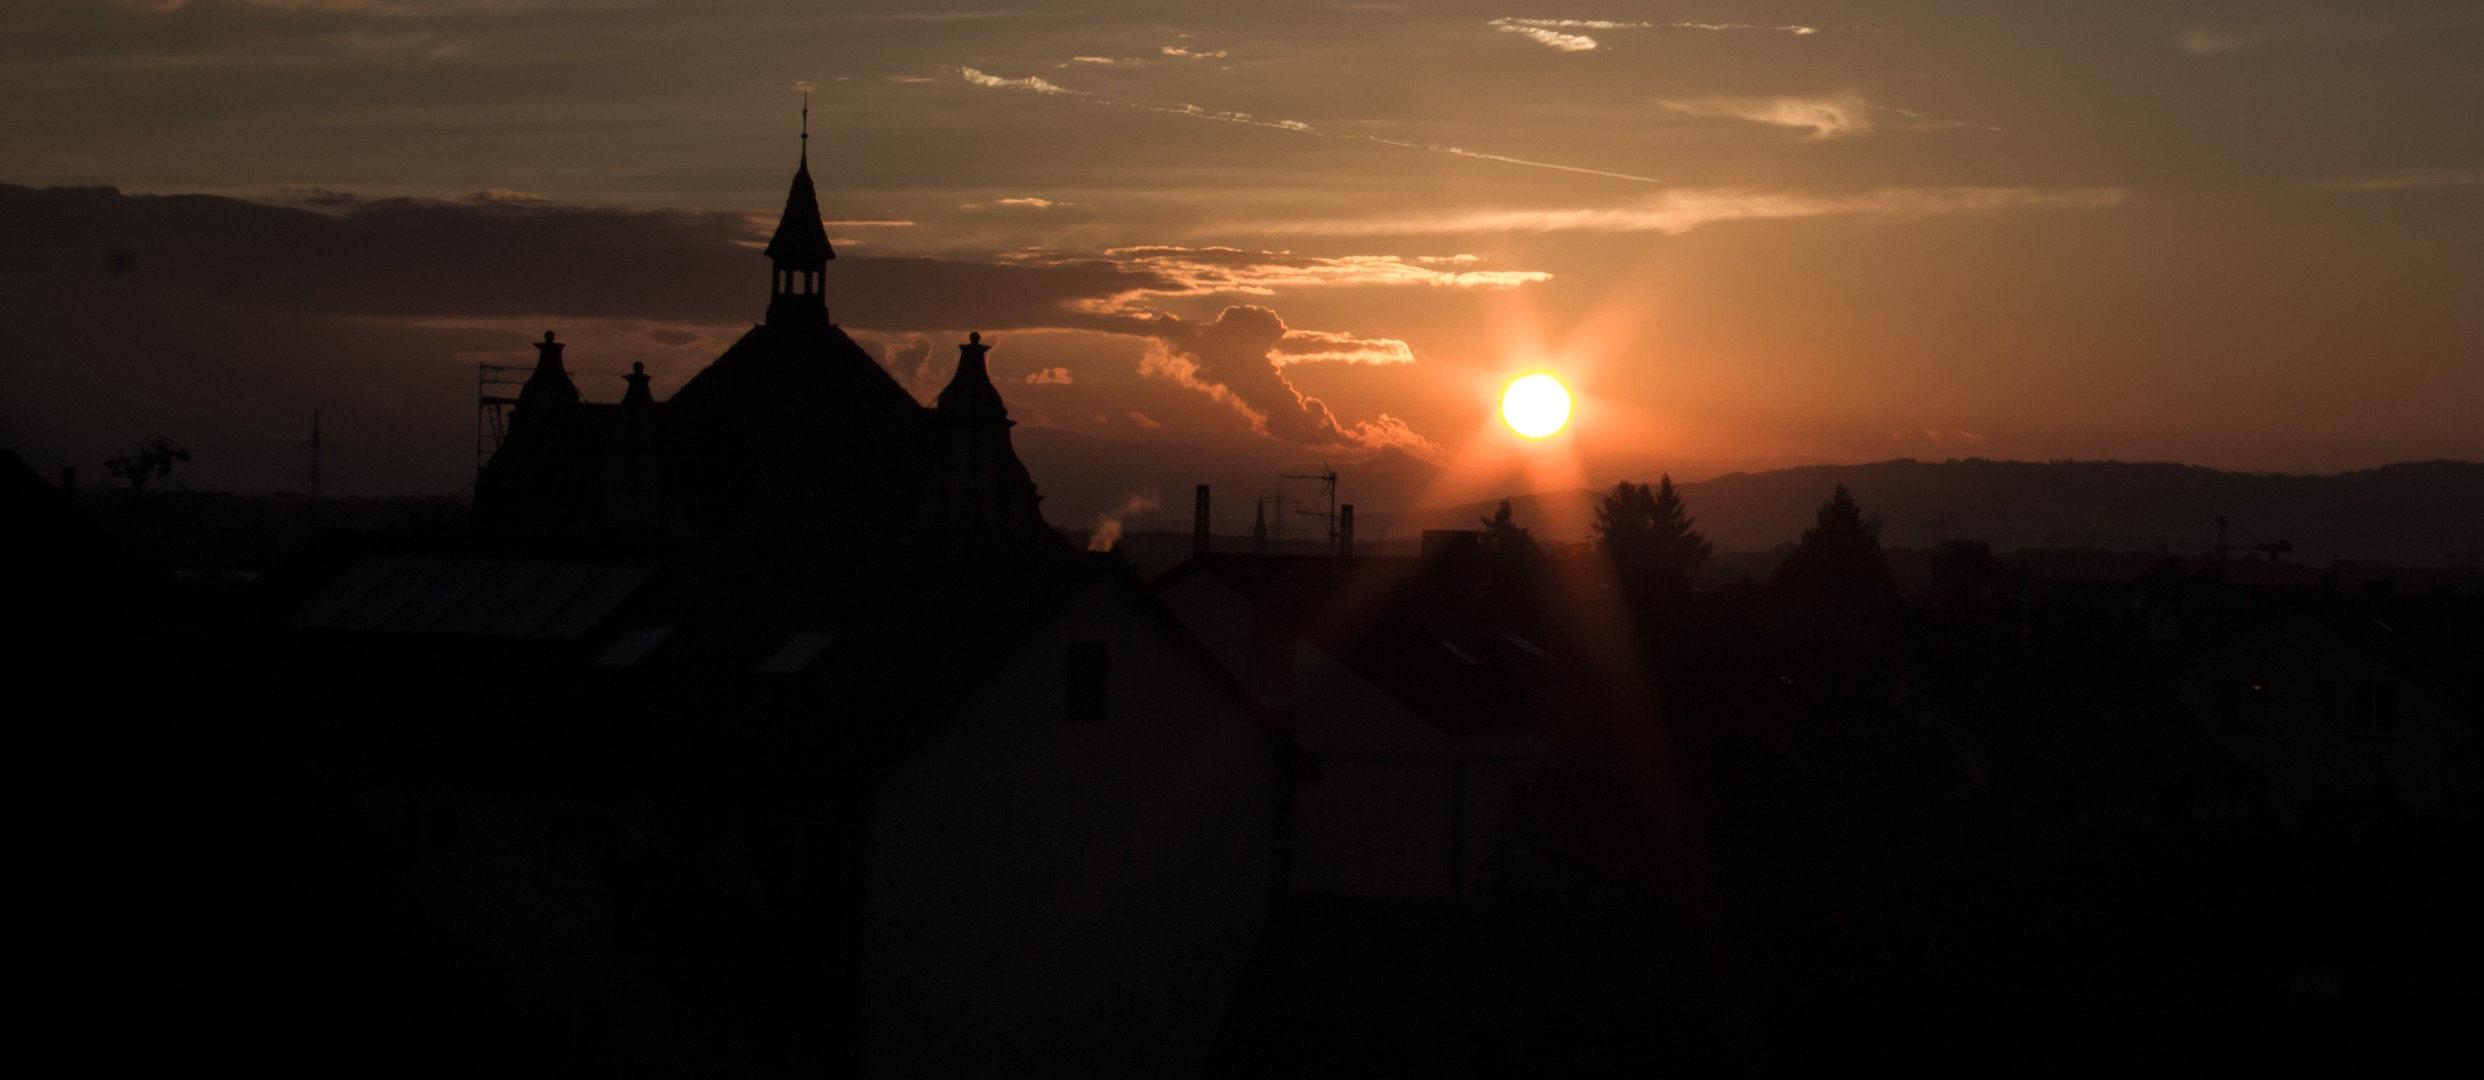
225,322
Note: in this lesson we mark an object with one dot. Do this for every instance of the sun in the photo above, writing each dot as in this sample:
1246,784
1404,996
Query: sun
1536,406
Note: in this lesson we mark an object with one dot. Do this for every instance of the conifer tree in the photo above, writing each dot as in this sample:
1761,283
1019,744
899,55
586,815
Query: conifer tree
1647,533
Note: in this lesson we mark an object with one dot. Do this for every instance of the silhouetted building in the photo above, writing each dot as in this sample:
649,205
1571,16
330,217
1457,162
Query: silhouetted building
794,435
2338,710
769,728
1419,708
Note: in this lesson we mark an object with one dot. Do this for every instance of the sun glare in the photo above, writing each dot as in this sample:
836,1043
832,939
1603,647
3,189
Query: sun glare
1536,406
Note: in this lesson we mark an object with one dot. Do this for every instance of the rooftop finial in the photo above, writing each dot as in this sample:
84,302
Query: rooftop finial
806,127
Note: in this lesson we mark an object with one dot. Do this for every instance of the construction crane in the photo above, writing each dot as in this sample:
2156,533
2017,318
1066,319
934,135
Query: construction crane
2217,549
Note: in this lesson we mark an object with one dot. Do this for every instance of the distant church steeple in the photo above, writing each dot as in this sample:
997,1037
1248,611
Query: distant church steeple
800,248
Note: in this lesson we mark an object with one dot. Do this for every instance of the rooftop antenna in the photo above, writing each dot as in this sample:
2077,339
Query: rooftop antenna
1328,486
806,127
318,448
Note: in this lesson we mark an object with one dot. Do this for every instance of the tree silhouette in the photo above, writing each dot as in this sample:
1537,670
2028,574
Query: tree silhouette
151,459
1506,554
1837,570
1648,535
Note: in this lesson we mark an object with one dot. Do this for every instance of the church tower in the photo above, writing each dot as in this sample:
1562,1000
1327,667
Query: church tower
979,489
800,248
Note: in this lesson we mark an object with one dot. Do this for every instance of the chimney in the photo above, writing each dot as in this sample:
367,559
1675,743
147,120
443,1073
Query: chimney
1199,523
1345,531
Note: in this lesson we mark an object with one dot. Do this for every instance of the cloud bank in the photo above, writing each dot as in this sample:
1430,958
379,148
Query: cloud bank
1675,212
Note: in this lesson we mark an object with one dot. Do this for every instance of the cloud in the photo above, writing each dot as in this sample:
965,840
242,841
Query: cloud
1106,525
292,288
1239,360
1146,421
1553,38
1094,60
1826,117
1675,212
1035,83
1195,112
1206,271
2410,180
1027,201
1058,376
1189,54
1548,32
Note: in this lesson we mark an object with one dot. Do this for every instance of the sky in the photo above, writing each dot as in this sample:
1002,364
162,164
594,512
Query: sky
1205,238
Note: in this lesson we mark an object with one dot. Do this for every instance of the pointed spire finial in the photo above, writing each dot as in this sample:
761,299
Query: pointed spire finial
806,127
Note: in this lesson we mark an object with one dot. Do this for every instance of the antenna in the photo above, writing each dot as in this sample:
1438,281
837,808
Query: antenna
806,127
318,447
1328,487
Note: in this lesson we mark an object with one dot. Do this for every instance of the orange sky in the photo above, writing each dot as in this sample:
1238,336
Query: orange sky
2248,235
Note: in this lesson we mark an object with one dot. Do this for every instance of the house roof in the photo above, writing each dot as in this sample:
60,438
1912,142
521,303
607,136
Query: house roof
858,661
1469,663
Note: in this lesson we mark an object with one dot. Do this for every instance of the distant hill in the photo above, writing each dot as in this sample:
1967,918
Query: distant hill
2417,513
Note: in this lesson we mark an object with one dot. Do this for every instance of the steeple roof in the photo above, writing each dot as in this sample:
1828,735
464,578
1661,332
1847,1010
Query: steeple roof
970,397
800,240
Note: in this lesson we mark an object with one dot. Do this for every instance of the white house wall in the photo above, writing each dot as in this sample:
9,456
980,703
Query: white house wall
2298,751
1058,898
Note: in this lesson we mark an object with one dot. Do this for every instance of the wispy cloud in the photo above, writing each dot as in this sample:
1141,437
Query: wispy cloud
1146,421
1555,33
1675,212
1825,117
1056,376
1028,202
2410,180
1036,83
1549,37
1093,60
1195,112
1193,54
1210,271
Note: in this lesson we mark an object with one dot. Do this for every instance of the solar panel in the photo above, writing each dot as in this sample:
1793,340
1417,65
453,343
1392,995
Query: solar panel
443,595
472,596
633,646
492,597
556,588
390,594
341,594
595,601
797,652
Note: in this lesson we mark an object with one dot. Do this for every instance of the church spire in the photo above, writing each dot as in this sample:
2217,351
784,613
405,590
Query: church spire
800,248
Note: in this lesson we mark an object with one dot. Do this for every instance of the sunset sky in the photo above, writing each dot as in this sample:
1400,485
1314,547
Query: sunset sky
2245,234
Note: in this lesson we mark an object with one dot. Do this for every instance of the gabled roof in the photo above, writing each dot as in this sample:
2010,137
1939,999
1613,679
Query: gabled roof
856,660
1468,663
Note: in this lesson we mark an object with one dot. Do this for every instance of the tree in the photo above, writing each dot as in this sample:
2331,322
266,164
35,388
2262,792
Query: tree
1506,554
151,459
1648,535
1837,570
